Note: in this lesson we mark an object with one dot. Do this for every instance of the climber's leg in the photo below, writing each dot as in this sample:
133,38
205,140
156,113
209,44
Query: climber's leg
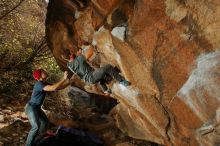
104,88
100,73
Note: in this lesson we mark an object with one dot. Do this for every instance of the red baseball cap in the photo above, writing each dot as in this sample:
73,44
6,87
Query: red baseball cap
37,74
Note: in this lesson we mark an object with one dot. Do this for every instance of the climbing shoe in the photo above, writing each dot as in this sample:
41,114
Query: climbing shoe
108,91
125,83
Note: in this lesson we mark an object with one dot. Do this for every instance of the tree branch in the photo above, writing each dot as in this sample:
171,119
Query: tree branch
44,55
4,15
44,58
38,48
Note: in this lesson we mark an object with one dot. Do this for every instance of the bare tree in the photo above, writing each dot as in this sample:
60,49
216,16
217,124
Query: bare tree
40,52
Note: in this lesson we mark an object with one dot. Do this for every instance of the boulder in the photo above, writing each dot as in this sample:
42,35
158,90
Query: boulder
168,49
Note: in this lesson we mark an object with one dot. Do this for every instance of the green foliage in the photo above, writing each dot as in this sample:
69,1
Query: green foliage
20,30
51,67
23,47
14,83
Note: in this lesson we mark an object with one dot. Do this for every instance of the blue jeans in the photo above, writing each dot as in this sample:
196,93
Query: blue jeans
38,121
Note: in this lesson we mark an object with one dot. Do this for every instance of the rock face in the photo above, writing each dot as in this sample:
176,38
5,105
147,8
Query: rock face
166,48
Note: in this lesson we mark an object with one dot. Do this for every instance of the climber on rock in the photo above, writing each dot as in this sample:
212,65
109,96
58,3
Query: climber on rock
36,116
78,65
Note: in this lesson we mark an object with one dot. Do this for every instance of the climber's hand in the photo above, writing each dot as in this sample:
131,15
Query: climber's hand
65,75
72,78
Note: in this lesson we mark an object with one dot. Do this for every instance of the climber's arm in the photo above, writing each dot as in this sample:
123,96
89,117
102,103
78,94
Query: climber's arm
58,85
88,54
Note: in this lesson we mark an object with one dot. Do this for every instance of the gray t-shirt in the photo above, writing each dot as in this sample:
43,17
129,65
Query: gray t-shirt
80,67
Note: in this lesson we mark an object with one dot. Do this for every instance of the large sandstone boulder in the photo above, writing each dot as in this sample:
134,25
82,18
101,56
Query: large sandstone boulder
166,48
